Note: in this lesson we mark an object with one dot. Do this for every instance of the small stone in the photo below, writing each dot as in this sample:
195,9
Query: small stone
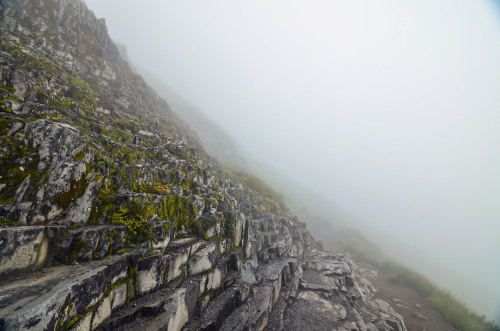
417,315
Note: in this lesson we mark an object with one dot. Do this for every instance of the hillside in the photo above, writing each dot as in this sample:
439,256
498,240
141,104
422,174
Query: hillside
213,138
113,216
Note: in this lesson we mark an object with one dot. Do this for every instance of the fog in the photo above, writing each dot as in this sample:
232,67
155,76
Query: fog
390,110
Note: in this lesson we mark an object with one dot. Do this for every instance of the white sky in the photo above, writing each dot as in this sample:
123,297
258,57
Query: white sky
389,108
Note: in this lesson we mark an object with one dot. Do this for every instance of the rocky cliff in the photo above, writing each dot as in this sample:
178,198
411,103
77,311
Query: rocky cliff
112,215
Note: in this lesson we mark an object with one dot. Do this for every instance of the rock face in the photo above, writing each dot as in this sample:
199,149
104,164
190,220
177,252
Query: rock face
195,284
114,217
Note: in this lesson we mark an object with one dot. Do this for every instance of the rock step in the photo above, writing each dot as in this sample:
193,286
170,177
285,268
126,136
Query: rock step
28,248
278,273
275,321
146,307
24,248
217,310
203,279
150,310
65,294
181,243
86,294
256,309
252,314
276,249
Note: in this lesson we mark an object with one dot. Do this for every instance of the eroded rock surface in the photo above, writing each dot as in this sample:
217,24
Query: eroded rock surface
114,217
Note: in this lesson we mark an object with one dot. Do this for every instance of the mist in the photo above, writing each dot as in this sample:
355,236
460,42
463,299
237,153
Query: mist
389,110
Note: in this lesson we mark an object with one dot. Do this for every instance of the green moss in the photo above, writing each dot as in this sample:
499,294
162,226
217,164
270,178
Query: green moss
77,188
80,83
42,96
219,253
79,246
106,200
128,293
97,249
17,46
252,289
59,322
70,306
111,240
80,155
4,126
73,321
67,309
115,285
64,103
156,188
117,135
132,272
6,222
5,109
133,276
150,253
135,217
149,234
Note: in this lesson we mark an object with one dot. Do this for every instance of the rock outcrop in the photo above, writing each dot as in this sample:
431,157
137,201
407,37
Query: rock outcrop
268,274
114,217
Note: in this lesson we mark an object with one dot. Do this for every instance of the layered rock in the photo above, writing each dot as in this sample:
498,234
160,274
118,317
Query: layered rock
116,216
193,284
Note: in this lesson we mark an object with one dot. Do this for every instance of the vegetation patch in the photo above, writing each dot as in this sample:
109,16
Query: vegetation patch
156,188
6,222
135,217
272,200
4,126
452,309
77,188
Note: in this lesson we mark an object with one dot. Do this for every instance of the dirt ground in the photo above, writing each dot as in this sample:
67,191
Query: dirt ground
418,312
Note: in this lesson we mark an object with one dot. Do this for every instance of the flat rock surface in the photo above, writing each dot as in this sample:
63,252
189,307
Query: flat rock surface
312,312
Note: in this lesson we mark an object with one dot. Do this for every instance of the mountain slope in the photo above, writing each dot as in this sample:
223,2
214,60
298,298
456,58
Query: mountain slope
213,138
112,213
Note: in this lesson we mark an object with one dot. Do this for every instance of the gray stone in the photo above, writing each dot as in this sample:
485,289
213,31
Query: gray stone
119,297
177,261
176,309
203,260
22,248
102,313
150,272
